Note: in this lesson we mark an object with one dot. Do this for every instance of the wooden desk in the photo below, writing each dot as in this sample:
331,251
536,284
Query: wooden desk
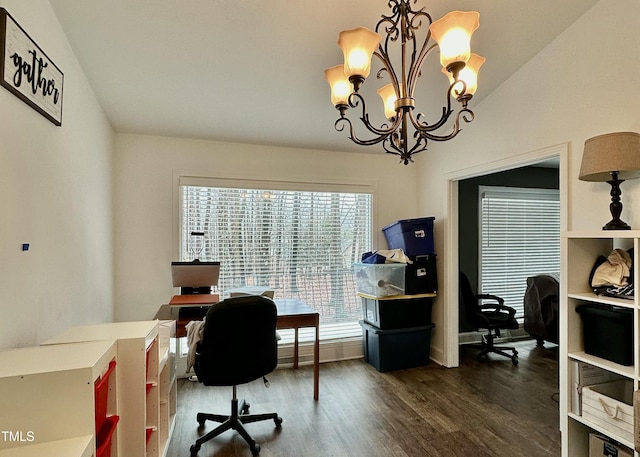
295,314
186,308
194,299
292,314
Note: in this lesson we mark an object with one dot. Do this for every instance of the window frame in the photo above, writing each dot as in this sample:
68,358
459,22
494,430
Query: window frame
550,194
354,186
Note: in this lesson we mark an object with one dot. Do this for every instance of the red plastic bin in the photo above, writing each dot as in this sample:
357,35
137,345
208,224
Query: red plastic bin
150,431
101,388
105,436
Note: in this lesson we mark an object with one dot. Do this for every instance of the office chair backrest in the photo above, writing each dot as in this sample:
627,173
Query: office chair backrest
239,342
469,300
467,295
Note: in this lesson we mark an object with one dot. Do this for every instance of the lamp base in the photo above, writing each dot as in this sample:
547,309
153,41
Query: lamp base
616,225
616,205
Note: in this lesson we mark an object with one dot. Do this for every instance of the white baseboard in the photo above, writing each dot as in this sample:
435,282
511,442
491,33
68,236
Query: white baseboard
330,351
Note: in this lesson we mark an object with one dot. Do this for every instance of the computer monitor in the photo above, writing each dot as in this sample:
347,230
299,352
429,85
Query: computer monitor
195,277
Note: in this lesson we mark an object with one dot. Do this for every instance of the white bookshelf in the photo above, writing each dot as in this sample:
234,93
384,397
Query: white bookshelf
48,399
579,253
168,386
142,356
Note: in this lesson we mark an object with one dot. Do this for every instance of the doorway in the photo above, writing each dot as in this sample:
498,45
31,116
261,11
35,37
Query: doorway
557,154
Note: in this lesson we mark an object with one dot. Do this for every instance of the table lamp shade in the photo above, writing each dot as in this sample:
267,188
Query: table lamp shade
604,154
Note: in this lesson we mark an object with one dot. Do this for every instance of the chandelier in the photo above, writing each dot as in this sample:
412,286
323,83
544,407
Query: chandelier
403,132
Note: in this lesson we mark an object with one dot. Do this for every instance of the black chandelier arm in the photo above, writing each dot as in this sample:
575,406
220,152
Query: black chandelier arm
422,129
390,23
339,126
416,66
352,134
355,99
458,89
411,27
463,113
430,136
386,67
391,147
423,126
395,27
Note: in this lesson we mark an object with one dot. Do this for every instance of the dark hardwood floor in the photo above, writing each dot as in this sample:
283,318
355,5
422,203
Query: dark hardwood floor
480,409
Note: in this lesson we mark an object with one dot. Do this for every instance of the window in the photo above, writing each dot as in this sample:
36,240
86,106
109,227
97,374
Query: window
299,243
520,237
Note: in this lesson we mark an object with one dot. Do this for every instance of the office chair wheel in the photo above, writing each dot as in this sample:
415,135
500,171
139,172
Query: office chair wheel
194,450
201,421
255,450
515,361
278,421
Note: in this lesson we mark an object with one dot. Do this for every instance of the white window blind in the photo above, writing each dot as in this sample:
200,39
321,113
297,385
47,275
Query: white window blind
520,237
301,244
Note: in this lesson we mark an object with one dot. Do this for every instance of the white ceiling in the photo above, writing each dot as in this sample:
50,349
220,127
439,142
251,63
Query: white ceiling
252,71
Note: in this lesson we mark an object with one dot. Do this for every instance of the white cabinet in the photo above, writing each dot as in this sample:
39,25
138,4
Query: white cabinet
142,356
48,398
579,253
81,446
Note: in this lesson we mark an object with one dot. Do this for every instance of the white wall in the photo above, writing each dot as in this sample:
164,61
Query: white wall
55,193
583,84
146,170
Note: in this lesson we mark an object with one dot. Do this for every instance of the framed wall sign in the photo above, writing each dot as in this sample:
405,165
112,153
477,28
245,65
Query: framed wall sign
26,70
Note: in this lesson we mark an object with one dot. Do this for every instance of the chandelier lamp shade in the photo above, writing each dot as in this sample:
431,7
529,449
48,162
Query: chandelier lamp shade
403,132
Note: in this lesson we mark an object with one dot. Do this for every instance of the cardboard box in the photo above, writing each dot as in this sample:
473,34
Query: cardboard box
600,446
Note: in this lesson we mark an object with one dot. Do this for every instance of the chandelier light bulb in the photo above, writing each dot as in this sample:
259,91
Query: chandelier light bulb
357,47
339,84
469,74
453,34
388,95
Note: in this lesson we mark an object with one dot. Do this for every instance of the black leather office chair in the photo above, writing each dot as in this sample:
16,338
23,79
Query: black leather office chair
493,315
238,346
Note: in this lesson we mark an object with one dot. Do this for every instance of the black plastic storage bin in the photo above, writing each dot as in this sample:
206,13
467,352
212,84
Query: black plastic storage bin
397,313
396,349
420,277
413,236
608,332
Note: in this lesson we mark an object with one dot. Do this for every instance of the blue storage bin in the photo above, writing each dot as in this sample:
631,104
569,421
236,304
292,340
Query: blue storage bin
413,236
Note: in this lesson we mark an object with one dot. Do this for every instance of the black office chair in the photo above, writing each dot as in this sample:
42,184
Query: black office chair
238,346
494,316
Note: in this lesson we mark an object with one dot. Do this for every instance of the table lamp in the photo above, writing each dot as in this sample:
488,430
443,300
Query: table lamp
614,158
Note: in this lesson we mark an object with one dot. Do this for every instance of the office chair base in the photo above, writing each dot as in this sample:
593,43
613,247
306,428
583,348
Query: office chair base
488,347
239,416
